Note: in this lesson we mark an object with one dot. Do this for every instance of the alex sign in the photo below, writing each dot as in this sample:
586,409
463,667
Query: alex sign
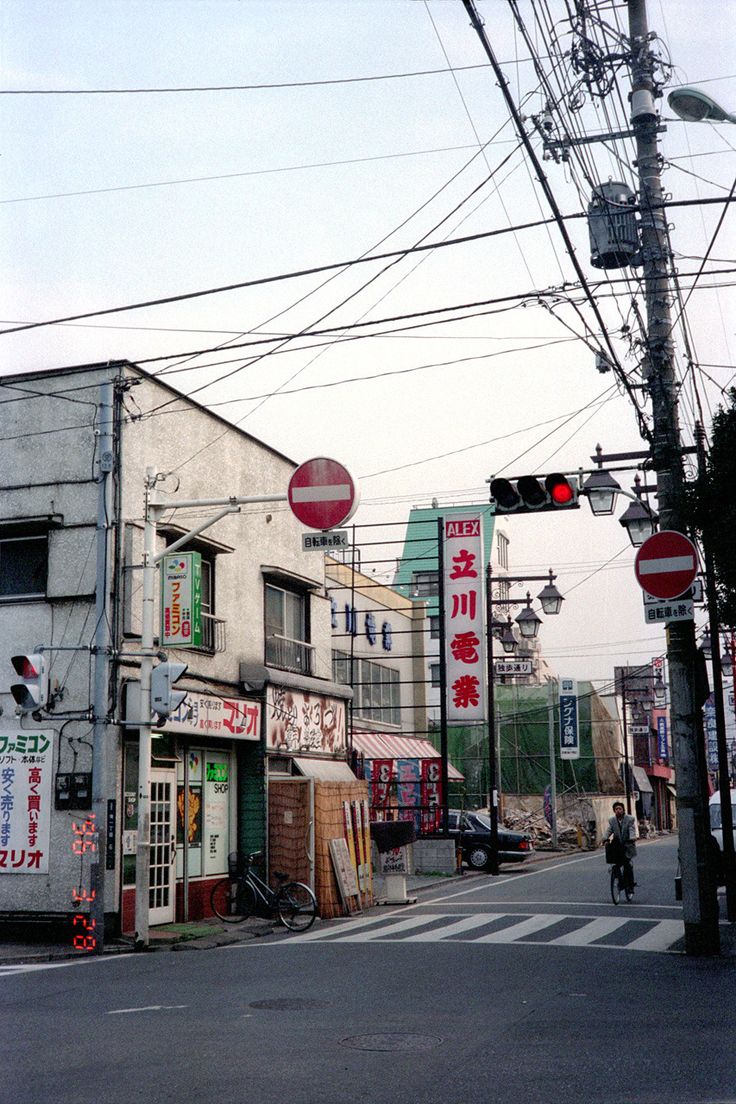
464,637
26,767
181,600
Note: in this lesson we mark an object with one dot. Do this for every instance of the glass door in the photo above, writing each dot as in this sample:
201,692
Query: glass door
162,896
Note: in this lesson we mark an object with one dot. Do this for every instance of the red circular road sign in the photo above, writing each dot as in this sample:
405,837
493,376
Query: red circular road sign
323,493
666,564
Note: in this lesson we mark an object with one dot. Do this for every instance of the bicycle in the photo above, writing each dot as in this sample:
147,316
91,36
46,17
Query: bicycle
242,893
622,872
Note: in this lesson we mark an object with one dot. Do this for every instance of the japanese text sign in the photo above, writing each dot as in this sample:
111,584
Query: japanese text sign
228,718
26,762
569,729
181,600
464,636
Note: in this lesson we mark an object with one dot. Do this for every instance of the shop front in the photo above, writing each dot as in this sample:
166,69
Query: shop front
195,790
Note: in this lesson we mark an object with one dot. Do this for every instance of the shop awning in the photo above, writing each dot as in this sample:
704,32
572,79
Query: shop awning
384,745
325,770
643,784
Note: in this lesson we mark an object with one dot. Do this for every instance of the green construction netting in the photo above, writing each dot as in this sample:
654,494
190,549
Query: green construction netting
523,732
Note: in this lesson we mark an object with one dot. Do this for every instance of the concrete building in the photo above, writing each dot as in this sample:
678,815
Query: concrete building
261,698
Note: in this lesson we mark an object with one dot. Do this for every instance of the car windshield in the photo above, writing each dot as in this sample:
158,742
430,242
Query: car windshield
483,820
715,814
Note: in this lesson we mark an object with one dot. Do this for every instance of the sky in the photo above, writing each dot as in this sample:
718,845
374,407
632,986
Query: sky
303,135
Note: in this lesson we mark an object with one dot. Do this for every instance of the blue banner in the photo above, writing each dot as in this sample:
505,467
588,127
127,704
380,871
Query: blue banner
662,752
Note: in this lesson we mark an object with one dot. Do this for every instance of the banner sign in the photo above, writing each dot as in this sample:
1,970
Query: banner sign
26,767
300,721
431,794
206,715
380,772
711,733
464,619
661,737
569,729
408,790
181,600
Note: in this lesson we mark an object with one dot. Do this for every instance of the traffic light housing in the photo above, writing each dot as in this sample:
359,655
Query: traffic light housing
165,700
531,493
31,693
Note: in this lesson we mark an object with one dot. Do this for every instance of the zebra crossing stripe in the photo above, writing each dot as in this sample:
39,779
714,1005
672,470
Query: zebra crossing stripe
658,938
459,926
415,921
529,926
596,929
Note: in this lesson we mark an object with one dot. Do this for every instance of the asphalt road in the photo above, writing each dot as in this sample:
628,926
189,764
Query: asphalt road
528,987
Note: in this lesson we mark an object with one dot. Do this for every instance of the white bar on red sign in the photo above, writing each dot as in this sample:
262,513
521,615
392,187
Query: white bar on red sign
464,577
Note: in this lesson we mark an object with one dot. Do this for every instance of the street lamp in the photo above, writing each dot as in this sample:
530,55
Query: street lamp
528,621
638,521
508,637
694,106
550,597
601,489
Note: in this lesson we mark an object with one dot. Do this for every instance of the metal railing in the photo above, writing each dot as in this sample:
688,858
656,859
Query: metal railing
213,634
290,655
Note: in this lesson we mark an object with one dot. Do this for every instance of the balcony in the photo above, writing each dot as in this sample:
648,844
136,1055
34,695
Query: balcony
290,655
213,634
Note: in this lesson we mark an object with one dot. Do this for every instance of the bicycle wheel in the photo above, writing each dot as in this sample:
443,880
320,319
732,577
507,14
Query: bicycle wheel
615,884
232,901
629,884
296,906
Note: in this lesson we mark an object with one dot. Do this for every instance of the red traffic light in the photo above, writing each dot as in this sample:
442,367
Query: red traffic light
25,667
560,490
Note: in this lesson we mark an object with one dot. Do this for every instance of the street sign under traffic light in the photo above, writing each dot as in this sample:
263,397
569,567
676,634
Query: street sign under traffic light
32,692
165,700
532,493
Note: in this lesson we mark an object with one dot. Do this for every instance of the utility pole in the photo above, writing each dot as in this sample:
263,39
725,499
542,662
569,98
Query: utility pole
105,460
552,759
700,903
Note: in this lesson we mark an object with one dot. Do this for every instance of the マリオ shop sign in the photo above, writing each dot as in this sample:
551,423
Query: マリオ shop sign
26,767
181,600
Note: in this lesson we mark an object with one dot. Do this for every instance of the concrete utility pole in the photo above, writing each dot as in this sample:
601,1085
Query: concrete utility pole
700,903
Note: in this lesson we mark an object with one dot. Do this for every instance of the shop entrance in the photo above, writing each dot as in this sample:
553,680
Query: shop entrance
162,898
291,828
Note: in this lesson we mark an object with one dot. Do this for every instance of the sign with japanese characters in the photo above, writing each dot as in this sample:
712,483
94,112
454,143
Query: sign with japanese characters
569,728
300,721
662,751
181,600
206,715
26,768
325,542
657,611
513,667
464,635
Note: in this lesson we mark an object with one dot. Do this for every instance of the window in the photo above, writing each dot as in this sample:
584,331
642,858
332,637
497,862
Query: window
502,545
377,693
434,674
434,628
341,667
23,566
425,584
286,627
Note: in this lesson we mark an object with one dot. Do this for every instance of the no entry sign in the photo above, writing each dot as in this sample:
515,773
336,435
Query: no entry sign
666,564
322,493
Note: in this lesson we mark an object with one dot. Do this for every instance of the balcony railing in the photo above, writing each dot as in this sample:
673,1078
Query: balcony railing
290,655
213,634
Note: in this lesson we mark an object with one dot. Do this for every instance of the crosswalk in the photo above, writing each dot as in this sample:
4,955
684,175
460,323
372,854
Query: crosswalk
622,932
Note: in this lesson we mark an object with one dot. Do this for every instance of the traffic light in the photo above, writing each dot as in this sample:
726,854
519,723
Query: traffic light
164,698
32,692
530,493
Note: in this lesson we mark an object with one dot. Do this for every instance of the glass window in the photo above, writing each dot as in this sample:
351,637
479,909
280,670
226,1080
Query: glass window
23,566
425,584
434,673
502,544
377,692
286,630
434,628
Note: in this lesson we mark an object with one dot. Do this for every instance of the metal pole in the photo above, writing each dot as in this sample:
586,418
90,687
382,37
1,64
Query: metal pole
700,904
443,674
102,651
185,837
552,758
143,848
625,711
492,779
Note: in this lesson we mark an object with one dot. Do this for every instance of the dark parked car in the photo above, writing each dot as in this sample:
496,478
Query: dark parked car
474,833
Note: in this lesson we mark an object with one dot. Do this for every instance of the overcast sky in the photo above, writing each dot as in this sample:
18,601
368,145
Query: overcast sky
117,199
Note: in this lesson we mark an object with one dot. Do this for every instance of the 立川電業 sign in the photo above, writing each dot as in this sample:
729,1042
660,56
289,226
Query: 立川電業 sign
464,637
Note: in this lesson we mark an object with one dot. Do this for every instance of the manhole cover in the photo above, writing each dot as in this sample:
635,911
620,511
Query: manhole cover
289,1004
398,1041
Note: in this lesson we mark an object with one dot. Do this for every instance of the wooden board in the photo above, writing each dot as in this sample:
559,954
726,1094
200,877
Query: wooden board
347,881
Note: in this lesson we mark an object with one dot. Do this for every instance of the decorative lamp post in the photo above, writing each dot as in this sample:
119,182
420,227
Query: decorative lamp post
601,490
638,521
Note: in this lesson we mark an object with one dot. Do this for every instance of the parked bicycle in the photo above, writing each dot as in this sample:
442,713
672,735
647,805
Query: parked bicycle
242,894
622,872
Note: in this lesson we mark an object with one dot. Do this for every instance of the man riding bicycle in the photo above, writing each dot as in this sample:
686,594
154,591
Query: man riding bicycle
622,828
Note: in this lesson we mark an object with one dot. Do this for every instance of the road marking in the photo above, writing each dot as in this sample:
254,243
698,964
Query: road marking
415,921
32,967
596,929
457,928
529,926
661,936
145,1008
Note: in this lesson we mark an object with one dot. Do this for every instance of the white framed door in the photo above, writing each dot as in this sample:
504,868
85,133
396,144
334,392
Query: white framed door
162,883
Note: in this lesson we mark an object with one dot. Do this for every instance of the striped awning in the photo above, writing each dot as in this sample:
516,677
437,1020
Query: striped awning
385,745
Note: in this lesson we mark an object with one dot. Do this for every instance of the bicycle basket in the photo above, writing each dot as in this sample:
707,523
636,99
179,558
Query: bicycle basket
614,852
235,865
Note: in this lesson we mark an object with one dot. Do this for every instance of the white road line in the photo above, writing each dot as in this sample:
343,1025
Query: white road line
527,927
661,936
145,1008
9,968
325,933
459,926
596,929
391,929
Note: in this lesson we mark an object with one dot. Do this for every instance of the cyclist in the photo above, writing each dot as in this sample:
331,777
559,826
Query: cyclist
622,827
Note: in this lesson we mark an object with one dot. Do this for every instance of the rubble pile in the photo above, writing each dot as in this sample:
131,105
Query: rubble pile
569,833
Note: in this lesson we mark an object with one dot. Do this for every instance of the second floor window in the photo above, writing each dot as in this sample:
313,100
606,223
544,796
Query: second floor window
286,629
425,584
23,566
